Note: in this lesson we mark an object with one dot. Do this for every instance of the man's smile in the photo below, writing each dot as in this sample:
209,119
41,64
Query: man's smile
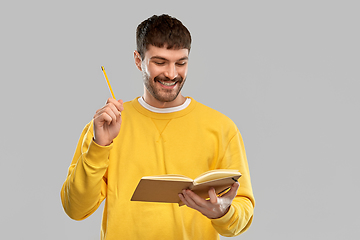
168,83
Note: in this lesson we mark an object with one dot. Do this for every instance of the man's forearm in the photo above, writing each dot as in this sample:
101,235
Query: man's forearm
84,188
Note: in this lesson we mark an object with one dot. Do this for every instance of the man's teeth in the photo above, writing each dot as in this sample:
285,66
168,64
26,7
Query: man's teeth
168,84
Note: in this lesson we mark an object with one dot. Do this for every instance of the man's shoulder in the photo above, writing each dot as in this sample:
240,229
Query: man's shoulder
131,104
130,101
209,110
210,114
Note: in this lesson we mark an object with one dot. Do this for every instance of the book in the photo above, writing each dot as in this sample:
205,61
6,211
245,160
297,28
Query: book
165,188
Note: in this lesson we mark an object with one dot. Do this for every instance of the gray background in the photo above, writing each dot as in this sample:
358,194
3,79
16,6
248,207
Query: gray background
286,72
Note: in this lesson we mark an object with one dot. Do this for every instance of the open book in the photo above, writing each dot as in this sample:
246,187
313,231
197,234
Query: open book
165,188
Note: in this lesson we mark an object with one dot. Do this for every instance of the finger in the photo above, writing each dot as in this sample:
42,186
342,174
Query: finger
121,107
194,199
102,118
232,192
182,198
117,104
189,201
187,198
212,195
105,115
113,114
114,109
109,100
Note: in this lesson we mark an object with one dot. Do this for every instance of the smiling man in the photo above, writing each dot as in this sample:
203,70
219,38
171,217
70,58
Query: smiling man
164,73
161,132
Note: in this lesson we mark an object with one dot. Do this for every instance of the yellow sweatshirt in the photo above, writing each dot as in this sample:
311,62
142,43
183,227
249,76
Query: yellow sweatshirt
188,142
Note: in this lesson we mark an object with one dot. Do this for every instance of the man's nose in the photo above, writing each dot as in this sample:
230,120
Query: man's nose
171,71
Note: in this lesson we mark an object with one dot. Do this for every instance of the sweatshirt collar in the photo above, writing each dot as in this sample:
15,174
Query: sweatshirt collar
174,112
164,110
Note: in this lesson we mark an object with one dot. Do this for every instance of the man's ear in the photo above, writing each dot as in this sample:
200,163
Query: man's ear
138,60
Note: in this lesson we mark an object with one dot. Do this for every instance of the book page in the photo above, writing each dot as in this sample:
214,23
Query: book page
170,177
216,174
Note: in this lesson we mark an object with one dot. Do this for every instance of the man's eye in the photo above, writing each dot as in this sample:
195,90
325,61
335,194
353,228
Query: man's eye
159,63
181,63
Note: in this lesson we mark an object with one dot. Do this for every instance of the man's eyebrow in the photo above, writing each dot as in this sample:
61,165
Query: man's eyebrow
184,58
164,59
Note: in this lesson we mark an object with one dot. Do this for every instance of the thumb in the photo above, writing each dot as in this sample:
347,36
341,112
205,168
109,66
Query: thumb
233,191
212,195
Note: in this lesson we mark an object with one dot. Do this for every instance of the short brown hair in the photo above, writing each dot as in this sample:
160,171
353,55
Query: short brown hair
161,31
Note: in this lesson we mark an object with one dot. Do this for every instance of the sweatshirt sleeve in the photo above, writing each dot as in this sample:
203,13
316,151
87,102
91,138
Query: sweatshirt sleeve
239,217
85,186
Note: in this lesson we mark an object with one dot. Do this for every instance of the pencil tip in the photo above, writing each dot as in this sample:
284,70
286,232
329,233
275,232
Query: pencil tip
102,68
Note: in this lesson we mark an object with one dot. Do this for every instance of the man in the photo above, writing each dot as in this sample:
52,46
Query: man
161,132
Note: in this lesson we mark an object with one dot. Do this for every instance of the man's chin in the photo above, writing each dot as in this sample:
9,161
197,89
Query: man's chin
165,98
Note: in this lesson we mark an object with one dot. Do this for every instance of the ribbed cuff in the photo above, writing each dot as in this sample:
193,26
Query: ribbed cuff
224,220
98,156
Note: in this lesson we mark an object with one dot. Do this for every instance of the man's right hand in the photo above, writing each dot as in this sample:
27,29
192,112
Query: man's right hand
107,122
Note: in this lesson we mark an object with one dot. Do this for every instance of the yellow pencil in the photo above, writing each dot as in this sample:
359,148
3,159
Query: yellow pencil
107,80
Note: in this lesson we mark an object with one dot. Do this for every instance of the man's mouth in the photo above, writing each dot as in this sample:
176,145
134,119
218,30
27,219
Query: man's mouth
168,84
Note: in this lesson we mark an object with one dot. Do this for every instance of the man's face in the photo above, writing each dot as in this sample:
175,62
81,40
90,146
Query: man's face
164,72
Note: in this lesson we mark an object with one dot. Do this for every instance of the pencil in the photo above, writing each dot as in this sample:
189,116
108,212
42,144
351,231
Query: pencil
107,80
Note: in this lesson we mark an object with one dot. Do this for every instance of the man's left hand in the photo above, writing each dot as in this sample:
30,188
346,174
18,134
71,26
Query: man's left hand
215,207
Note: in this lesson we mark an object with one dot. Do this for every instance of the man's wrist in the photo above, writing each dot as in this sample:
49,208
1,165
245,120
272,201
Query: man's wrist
103,144
225,218
98,155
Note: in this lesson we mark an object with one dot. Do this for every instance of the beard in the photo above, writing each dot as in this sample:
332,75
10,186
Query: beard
160,93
